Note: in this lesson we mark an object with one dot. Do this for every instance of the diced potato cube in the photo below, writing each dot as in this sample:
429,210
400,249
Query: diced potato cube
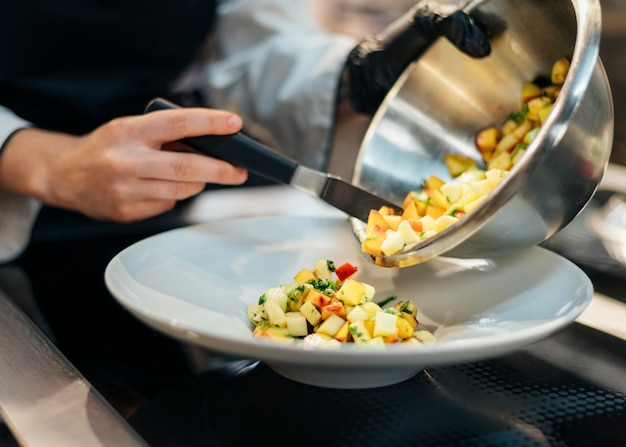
371,309
275,313
277,295
357,314
359,332
393,243
321,270
473,204
444,222
311,313
376,341
256,313
452,191
296,324
428,223
407,233
331,325
385,324
425,336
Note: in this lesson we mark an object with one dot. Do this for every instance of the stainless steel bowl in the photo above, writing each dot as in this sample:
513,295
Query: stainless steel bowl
443,100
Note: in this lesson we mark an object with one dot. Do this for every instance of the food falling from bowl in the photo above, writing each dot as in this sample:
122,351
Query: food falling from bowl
326,306
437,204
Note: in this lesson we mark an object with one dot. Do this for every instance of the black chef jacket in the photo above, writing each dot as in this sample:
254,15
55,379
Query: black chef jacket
71,65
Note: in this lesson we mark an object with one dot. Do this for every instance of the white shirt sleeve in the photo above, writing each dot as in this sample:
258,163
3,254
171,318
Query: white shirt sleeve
17,213
279,68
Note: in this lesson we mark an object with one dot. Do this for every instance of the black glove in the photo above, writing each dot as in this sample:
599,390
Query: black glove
376,63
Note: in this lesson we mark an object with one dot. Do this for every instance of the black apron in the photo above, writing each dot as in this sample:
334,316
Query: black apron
71,65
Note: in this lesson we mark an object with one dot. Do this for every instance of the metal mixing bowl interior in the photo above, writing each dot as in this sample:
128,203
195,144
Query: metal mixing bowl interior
444,99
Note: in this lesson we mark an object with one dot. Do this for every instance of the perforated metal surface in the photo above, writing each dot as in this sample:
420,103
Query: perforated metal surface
529,398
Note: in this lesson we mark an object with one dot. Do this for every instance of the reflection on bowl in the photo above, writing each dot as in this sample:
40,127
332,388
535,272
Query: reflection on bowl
444,99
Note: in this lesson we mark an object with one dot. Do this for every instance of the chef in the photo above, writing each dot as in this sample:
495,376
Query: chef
76,75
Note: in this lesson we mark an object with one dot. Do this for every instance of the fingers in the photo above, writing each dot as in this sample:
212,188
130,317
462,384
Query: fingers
165,126
466,36
189,167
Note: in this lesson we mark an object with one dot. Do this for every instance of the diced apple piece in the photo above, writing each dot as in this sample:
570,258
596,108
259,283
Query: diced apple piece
275,314
331,325
502,161
487,139
317,298
535,105
405,329
377,341
458,164
444,222
351,292
359,332
374,238
559,71
386,211
393,221
410,211
333,309
437,198
507,143
545,113
517,155
376,219
385,324
433,182
530,90
311,313
296,324
434,211
343,333
304,276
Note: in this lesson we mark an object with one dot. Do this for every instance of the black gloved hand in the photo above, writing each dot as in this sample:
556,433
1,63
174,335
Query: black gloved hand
376,63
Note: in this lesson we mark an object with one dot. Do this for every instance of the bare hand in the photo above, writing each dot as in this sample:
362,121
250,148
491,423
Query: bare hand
119,171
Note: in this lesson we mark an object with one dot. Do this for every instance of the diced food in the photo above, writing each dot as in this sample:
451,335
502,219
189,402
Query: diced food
326,305
438,204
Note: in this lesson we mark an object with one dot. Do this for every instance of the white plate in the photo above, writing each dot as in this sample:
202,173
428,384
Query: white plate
195,284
